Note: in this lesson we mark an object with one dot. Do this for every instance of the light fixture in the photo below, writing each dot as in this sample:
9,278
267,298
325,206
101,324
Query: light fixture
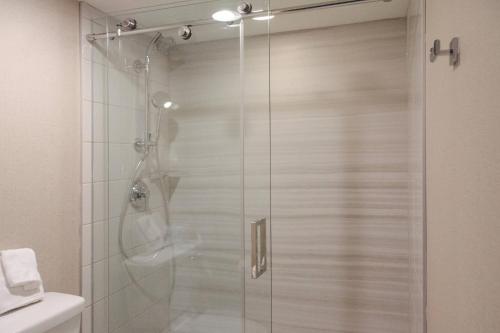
168,104
226,16
263,18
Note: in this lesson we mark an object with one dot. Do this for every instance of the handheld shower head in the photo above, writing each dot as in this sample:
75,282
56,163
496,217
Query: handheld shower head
162,101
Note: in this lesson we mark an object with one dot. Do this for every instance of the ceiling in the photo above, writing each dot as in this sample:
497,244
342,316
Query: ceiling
150,13
396,8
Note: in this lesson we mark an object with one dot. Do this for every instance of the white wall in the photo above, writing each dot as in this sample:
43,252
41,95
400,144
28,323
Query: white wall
40,136
112,89
463,167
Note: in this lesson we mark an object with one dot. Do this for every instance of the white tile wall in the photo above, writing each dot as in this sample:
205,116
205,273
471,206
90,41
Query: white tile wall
94,173
112,118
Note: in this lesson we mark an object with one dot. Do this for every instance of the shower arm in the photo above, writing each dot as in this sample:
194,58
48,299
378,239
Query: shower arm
287,10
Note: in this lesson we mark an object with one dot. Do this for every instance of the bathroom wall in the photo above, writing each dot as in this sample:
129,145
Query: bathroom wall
463,169
340,182
94,268
40,136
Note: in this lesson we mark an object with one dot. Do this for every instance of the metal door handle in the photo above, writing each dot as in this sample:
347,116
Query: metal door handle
259,249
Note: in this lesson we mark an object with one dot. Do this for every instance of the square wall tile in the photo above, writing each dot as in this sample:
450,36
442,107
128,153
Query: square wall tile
86,244
87,284
87,320
100,241
86,121
86,162
100,280
100,316
100,201
86,203
99,122
99,162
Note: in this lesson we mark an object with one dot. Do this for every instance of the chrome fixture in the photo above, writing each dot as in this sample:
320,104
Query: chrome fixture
453,51
245,8
189,25
258,260
138,195
162,101
128,24
141,146
185,32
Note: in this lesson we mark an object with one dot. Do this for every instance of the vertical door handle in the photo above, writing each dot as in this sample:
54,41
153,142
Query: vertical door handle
259,249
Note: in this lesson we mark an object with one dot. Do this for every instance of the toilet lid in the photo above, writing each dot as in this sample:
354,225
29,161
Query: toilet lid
53,310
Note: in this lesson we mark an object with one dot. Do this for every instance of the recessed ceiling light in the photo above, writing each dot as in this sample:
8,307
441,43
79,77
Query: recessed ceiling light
226,16
263,18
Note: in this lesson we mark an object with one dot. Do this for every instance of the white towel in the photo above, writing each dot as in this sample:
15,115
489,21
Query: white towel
20,268
13,298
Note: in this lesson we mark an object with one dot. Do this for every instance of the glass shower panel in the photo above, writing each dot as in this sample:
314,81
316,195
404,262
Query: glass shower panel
176,160
257,169
340,196
206,203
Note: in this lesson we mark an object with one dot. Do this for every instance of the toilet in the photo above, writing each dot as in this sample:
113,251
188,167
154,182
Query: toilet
56,313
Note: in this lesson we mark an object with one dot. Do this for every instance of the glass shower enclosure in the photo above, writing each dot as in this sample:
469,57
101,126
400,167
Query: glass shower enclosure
186,169
199,107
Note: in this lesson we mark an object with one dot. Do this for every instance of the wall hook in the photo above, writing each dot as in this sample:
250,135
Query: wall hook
453,51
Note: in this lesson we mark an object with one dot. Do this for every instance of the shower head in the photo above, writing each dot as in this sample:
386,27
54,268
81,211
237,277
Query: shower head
161,43
162,101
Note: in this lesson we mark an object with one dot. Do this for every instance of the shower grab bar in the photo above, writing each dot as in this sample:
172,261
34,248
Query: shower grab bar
258,263
287,10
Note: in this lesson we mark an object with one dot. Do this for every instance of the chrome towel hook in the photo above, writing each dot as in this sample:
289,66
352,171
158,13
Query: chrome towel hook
453,51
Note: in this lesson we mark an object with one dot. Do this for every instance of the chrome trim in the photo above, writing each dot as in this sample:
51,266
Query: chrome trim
139,195
120,33
258,264
245,8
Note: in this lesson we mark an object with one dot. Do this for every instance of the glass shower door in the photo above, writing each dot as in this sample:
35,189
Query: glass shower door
188,175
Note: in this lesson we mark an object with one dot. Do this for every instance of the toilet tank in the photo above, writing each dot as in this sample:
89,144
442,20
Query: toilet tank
56,313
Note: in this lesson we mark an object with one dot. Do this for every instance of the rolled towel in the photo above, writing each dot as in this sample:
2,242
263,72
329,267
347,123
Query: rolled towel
20,269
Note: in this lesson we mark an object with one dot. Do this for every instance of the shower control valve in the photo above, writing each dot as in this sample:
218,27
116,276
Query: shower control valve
138,195
185,32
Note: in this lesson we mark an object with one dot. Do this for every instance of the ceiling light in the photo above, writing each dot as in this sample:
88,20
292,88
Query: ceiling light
168,104
226,16
263,18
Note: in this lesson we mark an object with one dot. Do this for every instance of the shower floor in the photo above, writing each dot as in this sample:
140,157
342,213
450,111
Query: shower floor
205,323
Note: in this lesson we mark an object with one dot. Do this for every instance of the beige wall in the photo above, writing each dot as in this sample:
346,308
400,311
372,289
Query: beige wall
40,136
463,118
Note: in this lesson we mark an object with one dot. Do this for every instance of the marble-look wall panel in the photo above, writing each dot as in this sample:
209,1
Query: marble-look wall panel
340,179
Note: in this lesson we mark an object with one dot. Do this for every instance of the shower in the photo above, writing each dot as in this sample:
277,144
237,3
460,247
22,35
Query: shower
147,173
277,104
